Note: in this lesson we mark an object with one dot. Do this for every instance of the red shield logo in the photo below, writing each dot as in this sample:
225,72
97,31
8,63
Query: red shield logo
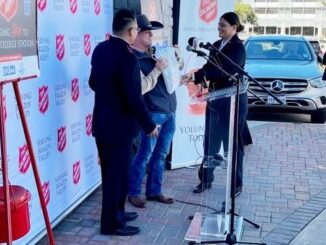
73,6
41,4
208,10
107,36
43,99
76,172
97,6
60,46
4,107
89,119
46,192
74,89
87,44
24,159
8,9
62,139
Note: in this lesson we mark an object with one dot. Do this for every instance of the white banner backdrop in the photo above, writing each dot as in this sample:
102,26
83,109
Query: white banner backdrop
198,18
58,106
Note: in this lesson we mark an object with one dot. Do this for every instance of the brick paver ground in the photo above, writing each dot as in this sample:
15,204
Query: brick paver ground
285,188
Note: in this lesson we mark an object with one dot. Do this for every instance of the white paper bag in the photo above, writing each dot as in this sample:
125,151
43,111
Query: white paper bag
171,73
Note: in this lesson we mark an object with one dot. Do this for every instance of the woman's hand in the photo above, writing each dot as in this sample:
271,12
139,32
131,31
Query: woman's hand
187,78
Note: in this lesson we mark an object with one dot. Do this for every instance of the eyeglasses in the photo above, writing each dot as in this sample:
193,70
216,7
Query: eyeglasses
137,29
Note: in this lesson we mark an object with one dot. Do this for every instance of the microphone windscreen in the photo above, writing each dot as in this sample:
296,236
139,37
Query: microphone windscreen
191,41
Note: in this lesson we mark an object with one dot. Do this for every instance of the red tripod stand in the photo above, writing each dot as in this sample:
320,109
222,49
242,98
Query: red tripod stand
32,157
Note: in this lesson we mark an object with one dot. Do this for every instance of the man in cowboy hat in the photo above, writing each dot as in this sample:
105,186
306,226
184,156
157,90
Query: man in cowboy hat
162,107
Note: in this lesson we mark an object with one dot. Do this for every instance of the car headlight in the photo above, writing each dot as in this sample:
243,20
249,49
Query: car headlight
317,83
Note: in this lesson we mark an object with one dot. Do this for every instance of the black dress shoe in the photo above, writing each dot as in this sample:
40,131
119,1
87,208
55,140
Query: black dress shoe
127,230
130,216
201,188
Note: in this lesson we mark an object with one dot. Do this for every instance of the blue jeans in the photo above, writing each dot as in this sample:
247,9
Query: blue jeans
152,150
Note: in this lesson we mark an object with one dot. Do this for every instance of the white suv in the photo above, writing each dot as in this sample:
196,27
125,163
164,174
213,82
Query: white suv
288,67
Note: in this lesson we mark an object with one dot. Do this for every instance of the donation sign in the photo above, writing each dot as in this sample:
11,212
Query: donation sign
18,39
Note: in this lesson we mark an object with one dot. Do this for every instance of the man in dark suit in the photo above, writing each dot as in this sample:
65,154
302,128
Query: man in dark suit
119,107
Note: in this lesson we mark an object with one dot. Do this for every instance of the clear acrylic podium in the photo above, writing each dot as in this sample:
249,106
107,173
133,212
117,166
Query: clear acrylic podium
207,227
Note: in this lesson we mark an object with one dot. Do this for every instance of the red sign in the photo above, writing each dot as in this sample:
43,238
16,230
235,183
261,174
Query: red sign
89,118
97,6
74,89
62,139
73,6
41,4
46,192
24,159
76,172
8,9
208,10
60,46
43,99
87,44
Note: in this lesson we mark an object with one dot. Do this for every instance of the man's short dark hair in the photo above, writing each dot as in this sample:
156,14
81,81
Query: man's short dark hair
122,19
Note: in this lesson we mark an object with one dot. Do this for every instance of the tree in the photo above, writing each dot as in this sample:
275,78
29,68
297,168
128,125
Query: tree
323,2
246,13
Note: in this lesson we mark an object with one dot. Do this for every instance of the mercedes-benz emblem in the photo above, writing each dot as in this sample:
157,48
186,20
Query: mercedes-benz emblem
277,86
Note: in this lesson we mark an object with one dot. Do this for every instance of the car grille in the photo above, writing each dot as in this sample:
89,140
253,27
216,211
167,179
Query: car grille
291,86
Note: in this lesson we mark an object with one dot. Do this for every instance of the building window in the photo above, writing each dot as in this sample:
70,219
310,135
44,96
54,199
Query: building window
260,1
287,30
308,10
278,30
297,0
297,10
295,30
323,32
270,29
308,31
258,29
271,10
260,10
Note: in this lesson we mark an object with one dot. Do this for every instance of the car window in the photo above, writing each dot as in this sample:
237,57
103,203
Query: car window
278,50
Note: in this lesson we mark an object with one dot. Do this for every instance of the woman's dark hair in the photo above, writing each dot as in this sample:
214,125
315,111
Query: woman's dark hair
233,19
122,20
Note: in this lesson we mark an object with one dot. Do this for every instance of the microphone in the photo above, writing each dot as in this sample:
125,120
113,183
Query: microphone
194,43
198,52
206,45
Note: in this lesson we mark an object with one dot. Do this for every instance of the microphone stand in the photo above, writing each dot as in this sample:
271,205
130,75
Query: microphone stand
231,238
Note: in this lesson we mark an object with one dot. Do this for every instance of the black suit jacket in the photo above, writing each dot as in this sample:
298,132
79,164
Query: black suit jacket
119,104
235,50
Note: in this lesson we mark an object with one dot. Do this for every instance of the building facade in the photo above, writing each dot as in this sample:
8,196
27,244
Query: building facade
294,17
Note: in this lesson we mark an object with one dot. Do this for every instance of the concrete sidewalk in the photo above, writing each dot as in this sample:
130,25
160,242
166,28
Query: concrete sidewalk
284,190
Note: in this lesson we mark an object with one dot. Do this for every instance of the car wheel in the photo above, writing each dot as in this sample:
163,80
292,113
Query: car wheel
318,117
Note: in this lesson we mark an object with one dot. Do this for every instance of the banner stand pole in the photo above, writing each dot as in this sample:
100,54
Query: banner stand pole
32,157
5,178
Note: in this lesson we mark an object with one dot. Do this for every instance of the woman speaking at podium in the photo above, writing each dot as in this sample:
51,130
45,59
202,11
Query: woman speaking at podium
217,117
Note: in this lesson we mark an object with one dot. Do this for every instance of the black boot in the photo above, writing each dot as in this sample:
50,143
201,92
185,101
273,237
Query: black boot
202,187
